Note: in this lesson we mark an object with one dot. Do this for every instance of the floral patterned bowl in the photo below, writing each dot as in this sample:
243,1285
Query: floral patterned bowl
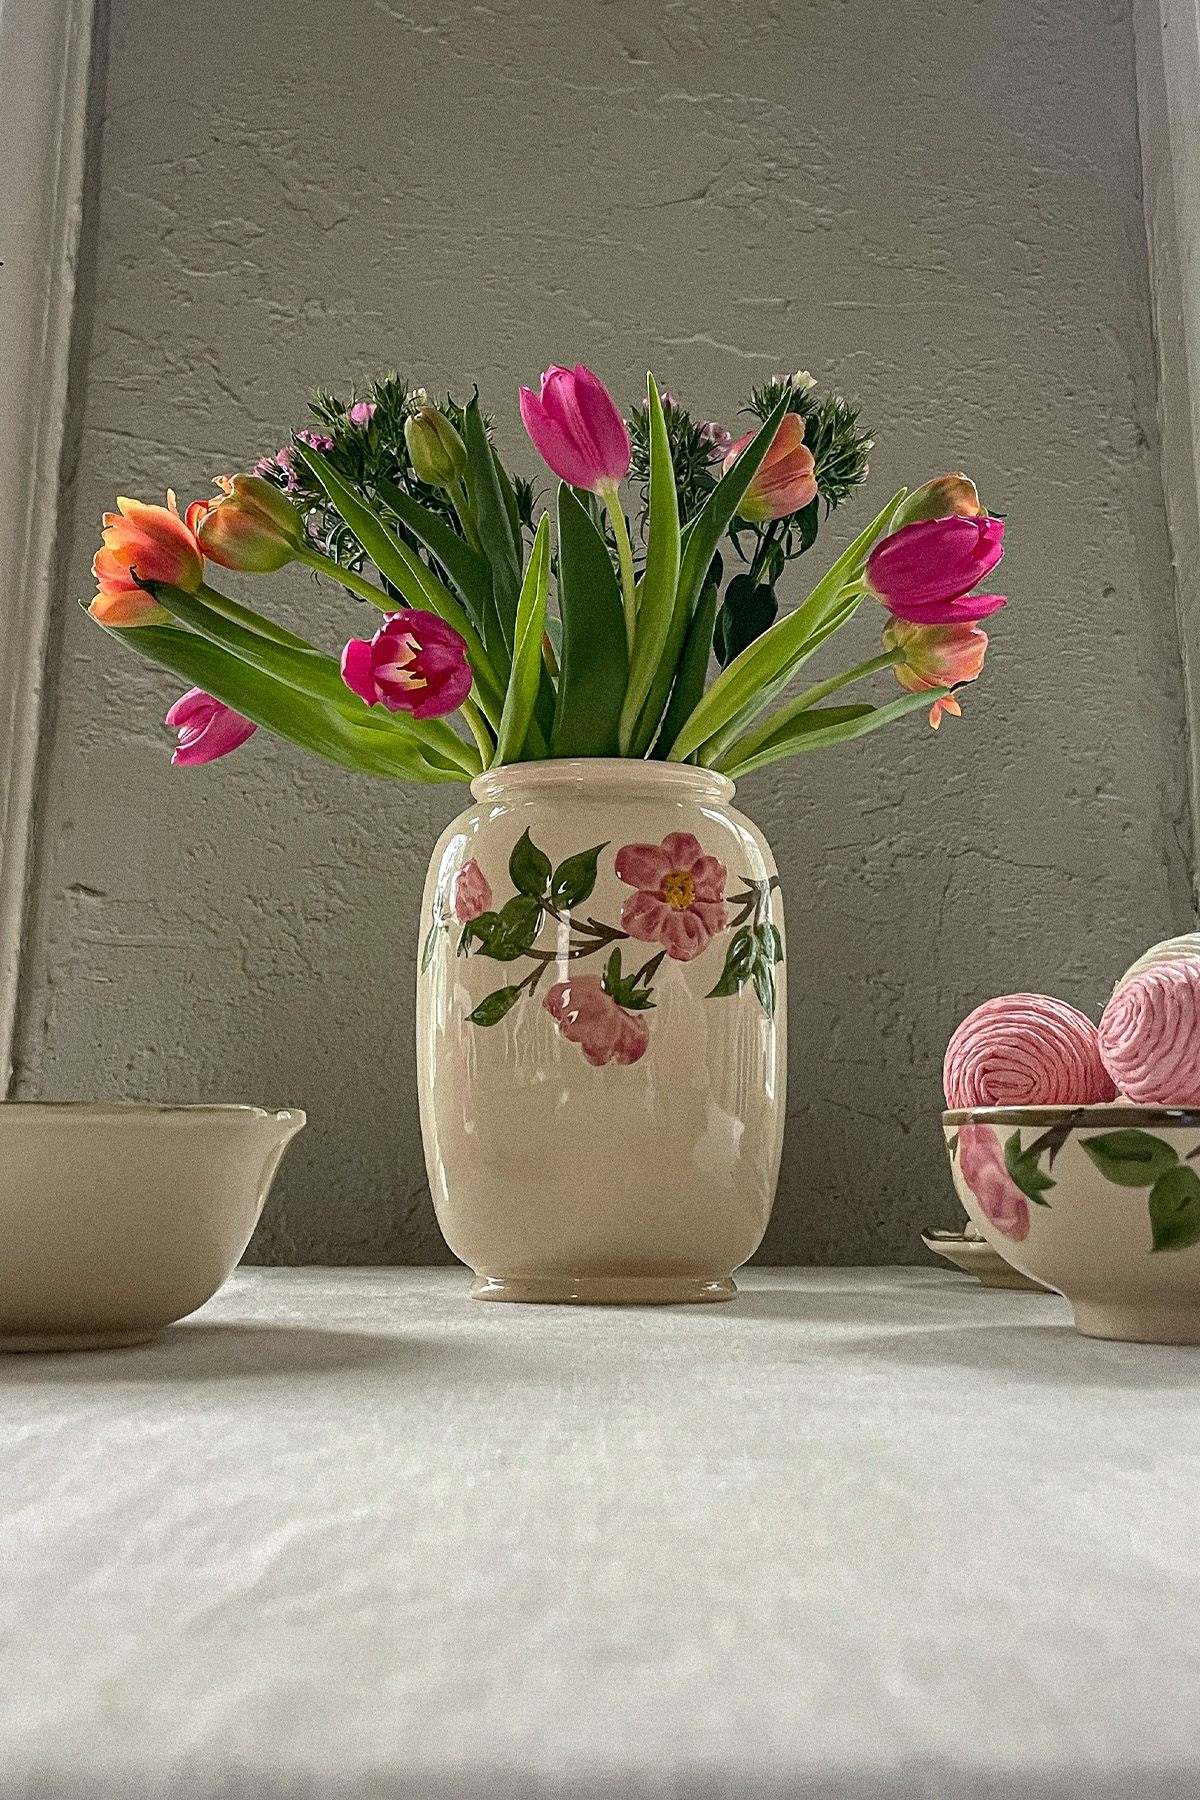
1100,1202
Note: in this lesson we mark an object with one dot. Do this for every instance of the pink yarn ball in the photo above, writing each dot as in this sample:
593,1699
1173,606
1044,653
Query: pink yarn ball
1150,1035
1025,1050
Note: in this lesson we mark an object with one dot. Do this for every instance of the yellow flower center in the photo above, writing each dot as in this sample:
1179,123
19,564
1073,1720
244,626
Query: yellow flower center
679,890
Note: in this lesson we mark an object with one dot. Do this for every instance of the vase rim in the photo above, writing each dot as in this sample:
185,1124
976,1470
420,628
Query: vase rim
627,774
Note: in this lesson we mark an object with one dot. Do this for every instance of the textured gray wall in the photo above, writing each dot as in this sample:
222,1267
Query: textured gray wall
934,206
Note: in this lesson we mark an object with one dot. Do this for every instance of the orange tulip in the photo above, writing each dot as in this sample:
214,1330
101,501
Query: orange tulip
250,525
156,544
784,481
936,656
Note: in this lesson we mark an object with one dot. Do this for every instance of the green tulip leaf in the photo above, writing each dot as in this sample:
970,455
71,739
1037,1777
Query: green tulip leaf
493,521
593,659
315,725
698,545
755,676
469,572
1175,1209
693,668
529,867
494,1006
658,590
749,609
526,672
822,726
1130,1158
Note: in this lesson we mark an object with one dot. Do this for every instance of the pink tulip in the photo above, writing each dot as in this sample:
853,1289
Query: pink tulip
924,572
415,663
577,430
206,728
152,542
680,902
589,1017
785,480
471,893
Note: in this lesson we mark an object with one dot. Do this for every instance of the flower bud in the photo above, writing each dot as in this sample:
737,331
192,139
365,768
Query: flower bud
438,454
250,526
943,498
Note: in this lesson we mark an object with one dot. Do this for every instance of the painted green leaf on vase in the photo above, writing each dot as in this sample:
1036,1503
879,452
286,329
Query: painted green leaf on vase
1130,1158
507,934
1023,1167
1175,1209
493,1007
740,959
575,878
529,867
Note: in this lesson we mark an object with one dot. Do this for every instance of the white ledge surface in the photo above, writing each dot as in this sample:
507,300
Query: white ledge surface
347,1535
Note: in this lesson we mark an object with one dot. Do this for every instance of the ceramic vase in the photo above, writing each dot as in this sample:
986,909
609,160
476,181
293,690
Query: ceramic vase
601,1033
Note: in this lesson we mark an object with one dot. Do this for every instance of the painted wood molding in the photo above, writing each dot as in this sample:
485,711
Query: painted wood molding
45,57
1168,81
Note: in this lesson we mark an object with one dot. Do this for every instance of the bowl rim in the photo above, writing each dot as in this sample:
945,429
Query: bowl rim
145,1109
1087,1116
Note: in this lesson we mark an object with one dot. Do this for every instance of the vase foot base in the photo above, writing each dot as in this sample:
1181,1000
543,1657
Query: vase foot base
38,1343
604,1290
1145,1324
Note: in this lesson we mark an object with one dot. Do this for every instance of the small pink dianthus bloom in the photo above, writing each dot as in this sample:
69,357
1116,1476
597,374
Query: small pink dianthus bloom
577,430
589,1017
981,1161
680,901
415,663
471,893
361,413
207,728
924,572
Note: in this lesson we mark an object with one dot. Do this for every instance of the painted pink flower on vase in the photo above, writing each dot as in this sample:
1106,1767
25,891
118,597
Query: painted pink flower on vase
207,729
589,1017
415,663
981,1161
471,894
680,899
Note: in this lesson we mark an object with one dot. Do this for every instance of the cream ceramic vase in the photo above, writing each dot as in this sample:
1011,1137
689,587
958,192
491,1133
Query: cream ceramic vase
601,1033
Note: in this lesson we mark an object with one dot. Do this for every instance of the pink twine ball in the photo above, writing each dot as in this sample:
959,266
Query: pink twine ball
1150,1035
1025,1050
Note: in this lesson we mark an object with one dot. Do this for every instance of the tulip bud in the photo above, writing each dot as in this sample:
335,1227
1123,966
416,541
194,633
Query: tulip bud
251,526
438,454
944,498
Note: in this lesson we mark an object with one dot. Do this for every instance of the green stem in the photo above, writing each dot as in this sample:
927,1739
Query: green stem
886,660
724,754
763,552
479,731
616,519
349,578
460,500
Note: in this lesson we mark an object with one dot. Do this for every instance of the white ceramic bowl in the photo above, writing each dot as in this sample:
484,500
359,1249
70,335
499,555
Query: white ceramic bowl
1100,1202
117,1220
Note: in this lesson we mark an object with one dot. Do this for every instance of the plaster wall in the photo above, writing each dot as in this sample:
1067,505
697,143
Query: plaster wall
935,207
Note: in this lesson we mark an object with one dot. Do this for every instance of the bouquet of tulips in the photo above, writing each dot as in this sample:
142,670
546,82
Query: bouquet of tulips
595,638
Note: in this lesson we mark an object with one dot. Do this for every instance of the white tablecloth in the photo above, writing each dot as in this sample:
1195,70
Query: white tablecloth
346,1533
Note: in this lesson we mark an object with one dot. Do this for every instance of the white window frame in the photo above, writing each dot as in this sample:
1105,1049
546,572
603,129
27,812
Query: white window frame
45,57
